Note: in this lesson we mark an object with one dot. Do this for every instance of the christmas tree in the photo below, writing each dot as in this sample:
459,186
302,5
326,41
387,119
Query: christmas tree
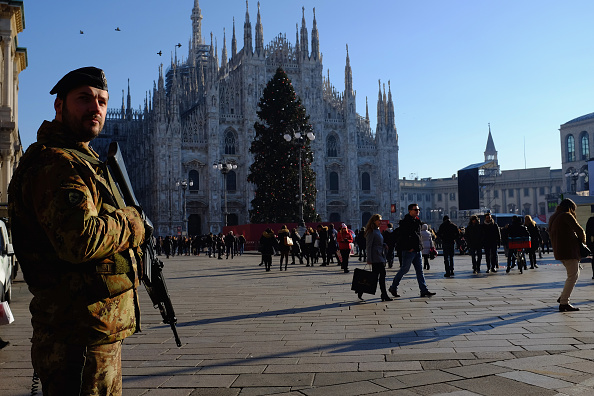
275,170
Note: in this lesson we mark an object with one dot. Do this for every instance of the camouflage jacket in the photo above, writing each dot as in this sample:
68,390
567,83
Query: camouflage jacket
71,240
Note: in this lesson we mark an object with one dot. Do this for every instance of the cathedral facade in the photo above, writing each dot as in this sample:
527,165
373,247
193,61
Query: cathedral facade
202,111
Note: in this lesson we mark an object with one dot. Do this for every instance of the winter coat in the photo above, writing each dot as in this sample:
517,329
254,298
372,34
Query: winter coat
410,234
344,239
375,247
268,243
282,234
534,235
448,232
390,237
566,236
474,235
426,238
491,234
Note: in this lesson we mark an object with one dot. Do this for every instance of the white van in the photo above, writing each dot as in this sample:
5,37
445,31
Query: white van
6,264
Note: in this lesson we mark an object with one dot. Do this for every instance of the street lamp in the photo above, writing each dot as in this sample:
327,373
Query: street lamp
574,175
184,185
224,167
298,137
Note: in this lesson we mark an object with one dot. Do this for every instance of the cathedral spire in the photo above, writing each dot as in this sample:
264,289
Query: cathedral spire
390,108
224,53
196,24
304,40
247,32
381,115
233,42
348,74
366,109
259,34
315,39
490,152
129,103
297,49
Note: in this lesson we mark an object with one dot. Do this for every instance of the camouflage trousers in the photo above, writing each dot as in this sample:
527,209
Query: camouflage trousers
78,370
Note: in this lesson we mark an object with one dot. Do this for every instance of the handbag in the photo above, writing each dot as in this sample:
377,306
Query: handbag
584,250
364,281
317,243
5,314
432,253
288,241
308,239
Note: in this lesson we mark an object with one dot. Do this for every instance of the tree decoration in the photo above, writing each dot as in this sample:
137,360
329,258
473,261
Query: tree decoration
275,170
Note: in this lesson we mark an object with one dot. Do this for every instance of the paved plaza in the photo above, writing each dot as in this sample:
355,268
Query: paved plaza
304,332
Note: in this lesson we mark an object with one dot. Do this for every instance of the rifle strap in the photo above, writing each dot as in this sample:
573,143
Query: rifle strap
94,161
122,263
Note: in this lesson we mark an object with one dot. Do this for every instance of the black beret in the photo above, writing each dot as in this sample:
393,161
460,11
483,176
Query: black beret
90,76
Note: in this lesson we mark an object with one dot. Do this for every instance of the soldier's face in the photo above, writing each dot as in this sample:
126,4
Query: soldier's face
83,112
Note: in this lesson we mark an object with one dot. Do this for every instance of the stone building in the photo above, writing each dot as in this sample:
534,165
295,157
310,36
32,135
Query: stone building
13,60
533,191
576,136
202,110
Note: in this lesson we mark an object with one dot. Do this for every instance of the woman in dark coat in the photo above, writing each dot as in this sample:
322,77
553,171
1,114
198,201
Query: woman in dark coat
296,248
268,243
534,240
376,255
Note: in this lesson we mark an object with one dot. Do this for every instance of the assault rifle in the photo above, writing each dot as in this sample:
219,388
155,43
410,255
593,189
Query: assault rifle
152,272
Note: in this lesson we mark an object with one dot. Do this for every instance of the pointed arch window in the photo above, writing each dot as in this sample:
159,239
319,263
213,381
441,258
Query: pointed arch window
365,182
585,143
194,178
333,181
231,181
229,142
570,148
332,146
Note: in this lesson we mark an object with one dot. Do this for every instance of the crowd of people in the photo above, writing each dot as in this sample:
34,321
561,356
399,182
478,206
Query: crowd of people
412,242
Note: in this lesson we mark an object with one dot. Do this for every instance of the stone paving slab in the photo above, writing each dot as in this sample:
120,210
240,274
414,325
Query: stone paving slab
304,332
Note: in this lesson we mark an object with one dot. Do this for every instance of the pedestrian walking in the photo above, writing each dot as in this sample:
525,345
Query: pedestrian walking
566,237
376,255
491,242
409,242
449,233
344,239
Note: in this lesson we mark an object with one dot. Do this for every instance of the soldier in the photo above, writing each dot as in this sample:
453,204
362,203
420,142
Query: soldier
78,246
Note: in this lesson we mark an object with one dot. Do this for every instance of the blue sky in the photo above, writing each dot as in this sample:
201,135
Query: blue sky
524,66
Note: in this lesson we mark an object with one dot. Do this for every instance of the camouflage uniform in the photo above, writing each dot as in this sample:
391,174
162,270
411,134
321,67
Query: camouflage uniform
78,251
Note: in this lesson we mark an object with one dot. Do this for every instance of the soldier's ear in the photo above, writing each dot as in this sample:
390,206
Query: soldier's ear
58,107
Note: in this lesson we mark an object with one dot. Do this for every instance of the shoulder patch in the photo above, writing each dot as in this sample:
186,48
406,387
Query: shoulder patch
75,197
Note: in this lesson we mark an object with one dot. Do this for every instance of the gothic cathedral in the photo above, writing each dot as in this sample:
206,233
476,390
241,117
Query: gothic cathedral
202,111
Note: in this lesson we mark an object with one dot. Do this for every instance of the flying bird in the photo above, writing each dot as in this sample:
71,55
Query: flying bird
178,45
81,32
160,53
117,29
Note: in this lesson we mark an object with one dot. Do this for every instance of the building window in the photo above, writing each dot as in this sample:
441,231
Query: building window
511,193
526,192
585,146
334,217
365,181
332,146
541,191
439,197
410,197
194,179
452,196
570,148
427,197
333,181
495,193
231,181
230,143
